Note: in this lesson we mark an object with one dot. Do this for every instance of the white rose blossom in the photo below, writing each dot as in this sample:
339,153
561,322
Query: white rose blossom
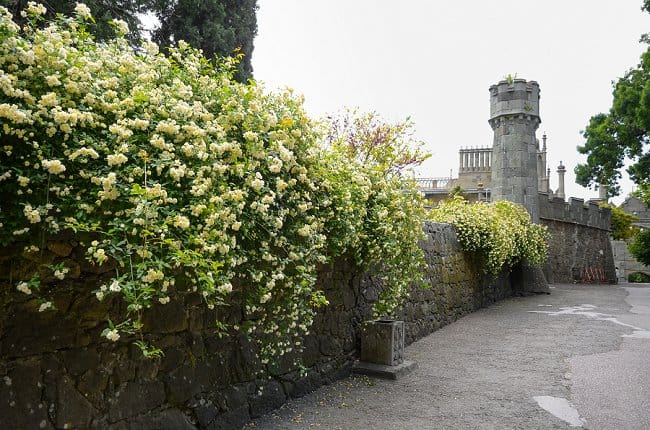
115,286
54,167
82,10
23,287
45,306
113,335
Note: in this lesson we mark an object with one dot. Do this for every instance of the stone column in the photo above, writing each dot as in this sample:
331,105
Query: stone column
561,170
602,192
541,167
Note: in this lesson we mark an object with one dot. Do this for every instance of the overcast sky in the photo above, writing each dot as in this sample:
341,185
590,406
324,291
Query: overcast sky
435,60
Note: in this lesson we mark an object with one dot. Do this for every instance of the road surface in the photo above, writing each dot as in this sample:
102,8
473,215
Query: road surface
577,358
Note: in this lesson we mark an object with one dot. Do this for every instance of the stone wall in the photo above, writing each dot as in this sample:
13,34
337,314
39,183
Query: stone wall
579,246
625,262
456,286
56,371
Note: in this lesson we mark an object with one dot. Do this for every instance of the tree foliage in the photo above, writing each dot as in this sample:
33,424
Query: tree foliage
218,27
379,212
501,233
103,12
622,223
622,132
640,247
221,28
457,191
179,179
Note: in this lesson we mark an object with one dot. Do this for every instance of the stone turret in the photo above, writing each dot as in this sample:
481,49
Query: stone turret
514,117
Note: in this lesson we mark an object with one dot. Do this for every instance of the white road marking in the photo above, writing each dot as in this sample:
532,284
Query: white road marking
560,408
588,311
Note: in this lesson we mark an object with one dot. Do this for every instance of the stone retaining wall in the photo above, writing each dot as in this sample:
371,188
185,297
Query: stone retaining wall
56,371
578,254
579,247
625,262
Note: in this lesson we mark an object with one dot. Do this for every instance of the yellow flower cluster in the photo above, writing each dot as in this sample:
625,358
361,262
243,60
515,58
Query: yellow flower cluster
377,214
502,232
180,172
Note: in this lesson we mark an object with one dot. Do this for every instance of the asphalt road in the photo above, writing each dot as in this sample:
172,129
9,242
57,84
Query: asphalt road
577,358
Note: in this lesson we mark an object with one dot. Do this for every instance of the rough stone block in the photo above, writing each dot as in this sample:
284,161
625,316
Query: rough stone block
169,419
62,249
169,318
182,384
72,408
92,385
229,420
272,397
136,398
77,361
20,399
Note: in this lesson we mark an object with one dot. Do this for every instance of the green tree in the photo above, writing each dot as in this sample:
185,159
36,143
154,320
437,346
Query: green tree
622,223
103,12
221,28
622,132
640,247
218,27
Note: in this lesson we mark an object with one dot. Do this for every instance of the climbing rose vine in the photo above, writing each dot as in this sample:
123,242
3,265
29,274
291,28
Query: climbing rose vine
178,178
380,213
500,233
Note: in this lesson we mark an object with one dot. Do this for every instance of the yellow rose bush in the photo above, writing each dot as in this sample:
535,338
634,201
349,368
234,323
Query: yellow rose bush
382,211
500,233
183,179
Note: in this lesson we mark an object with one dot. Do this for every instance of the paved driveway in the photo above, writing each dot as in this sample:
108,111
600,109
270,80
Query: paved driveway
578,358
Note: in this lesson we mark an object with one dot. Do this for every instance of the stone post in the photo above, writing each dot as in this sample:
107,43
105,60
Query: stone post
382,350
602,193
514,118
561,170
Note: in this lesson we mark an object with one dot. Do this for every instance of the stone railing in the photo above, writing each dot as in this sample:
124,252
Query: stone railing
442,183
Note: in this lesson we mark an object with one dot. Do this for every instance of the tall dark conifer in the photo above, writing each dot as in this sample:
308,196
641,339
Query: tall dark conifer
103,11
218,27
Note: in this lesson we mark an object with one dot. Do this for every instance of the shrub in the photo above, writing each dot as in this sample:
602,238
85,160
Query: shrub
500,233
185,179
622,222
382,211
639,247
638,277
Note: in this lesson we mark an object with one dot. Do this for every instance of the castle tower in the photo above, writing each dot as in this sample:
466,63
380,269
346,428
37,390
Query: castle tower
514,117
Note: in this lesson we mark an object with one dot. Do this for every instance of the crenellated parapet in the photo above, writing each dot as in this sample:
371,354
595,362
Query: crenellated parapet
516,97
575,211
